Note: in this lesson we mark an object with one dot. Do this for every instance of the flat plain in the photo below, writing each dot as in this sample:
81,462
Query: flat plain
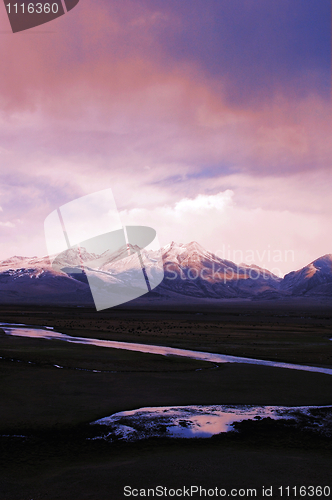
53,406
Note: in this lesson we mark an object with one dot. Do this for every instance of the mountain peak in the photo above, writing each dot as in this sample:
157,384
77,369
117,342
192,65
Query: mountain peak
189,270
314,278
193,245
13,259
173,244
325,260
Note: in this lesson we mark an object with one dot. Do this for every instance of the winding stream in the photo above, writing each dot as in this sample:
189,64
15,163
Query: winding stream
180,421
47,333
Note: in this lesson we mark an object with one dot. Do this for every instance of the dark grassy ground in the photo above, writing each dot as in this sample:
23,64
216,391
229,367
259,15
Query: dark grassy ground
52,406
40,394
78,471
293,332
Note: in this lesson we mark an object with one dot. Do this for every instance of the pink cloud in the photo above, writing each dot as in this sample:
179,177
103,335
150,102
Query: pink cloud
99,103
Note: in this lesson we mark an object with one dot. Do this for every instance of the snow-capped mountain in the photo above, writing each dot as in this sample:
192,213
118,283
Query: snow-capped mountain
189,271
33,280
313,279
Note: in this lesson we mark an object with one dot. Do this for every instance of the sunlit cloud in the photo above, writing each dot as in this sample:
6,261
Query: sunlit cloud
279,239
7,224
128,96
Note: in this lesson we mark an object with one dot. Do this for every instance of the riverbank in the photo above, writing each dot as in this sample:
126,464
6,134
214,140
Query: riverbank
294,332
42,395
52,405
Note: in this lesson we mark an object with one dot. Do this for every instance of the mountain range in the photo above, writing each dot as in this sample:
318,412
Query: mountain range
189,271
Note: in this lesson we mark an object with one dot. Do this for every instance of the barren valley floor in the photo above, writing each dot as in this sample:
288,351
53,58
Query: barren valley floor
52,407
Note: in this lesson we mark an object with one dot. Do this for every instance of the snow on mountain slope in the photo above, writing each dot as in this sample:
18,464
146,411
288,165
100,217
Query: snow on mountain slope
33,280
189,270
313,279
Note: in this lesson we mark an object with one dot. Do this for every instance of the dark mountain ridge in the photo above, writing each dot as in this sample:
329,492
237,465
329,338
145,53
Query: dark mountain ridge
189,271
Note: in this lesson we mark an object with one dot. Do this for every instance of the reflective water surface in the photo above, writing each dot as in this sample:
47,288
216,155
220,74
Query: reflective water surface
181,421
198,421
46,333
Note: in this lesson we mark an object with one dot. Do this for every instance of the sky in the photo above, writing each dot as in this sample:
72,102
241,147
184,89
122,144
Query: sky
210,120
